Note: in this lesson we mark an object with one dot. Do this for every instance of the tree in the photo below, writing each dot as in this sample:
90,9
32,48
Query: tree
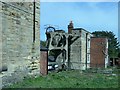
42,44
119,53
113,45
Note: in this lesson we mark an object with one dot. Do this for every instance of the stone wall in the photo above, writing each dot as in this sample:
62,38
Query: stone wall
20,55
80,49
75,50
0,43
85,49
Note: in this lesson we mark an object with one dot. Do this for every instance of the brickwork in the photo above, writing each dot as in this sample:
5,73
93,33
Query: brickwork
19,54
99,52
44,63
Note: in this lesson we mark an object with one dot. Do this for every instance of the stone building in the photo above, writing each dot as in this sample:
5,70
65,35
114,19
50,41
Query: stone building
72,48
20,41
79,48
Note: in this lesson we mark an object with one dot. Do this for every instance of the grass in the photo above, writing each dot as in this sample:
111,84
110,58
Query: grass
69,79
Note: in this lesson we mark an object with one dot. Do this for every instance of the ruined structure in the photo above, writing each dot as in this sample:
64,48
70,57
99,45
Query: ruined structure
20,41
77,49
71,49
80,49
57,42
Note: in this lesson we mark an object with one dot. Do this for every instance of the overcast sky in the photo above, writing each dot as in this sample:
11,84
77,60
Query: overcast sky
92,16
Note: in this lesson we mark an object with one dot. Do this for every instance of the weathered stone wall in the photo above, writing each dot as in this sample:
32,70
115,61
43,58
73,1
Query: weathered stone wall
80,49
20,55
85,49
75,51
0,43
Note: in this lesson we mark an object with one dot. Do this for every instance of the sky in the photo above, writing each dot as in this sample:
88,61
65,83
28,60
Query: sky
92,16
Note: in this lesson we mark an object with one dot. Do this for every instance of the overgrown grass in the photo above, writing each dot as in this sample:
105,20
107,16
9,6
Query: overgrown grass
70,79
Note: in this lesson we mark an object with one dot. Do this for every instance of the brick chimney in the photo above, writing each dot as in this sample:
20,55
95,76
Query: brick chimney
70,27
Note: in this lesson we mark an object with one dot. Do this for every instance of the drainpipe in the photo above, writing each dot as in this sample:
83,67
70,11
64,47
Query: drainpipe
86,49
67,53
34,21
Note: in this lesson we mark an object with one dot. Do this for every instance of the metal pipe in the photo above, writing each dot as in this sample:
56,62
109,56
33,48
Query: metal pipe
34,21
86,49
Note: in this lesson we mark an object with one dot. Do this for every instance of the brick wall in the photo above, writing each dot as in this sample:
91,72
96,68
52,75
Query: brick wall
98,52
44,62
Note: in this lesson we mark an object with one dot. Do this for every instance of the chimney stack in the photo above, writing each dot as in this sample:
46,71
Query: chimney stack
70,27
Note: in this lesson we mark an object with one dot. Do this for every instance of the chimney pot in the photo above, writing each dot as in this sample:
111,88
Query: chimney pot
70,27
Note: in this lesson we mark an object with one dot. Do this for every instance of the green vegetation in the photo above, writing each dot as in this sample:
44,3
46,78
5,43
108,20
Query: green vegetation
70,79
42,44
